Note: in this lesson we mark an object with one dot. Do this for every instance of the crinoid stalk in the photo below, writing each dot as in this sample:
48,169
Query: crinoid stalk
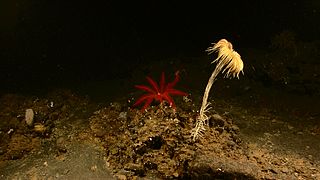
230,63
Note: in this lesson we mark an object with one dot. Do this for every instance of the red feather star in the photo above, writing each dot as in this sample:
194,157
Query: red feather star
159,92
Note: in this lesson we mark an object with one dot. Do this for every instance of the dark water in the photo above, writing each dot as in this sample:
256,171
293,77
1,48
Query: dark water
96,48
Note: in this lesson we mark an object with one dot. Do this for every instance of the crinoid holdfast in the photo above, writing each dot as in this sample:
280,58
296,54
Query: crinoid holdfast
230,63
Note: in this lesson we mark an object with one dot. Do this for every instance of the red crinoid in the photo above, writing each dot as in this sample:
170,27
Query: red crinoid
159,92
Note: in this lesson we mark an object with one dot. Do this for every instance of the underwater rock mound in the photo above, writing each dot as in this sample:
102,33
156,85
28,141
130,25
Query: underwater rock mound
158,142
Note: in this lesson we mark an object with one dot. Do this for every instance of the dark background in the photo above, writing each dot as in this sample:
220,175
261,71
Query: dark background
56,42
